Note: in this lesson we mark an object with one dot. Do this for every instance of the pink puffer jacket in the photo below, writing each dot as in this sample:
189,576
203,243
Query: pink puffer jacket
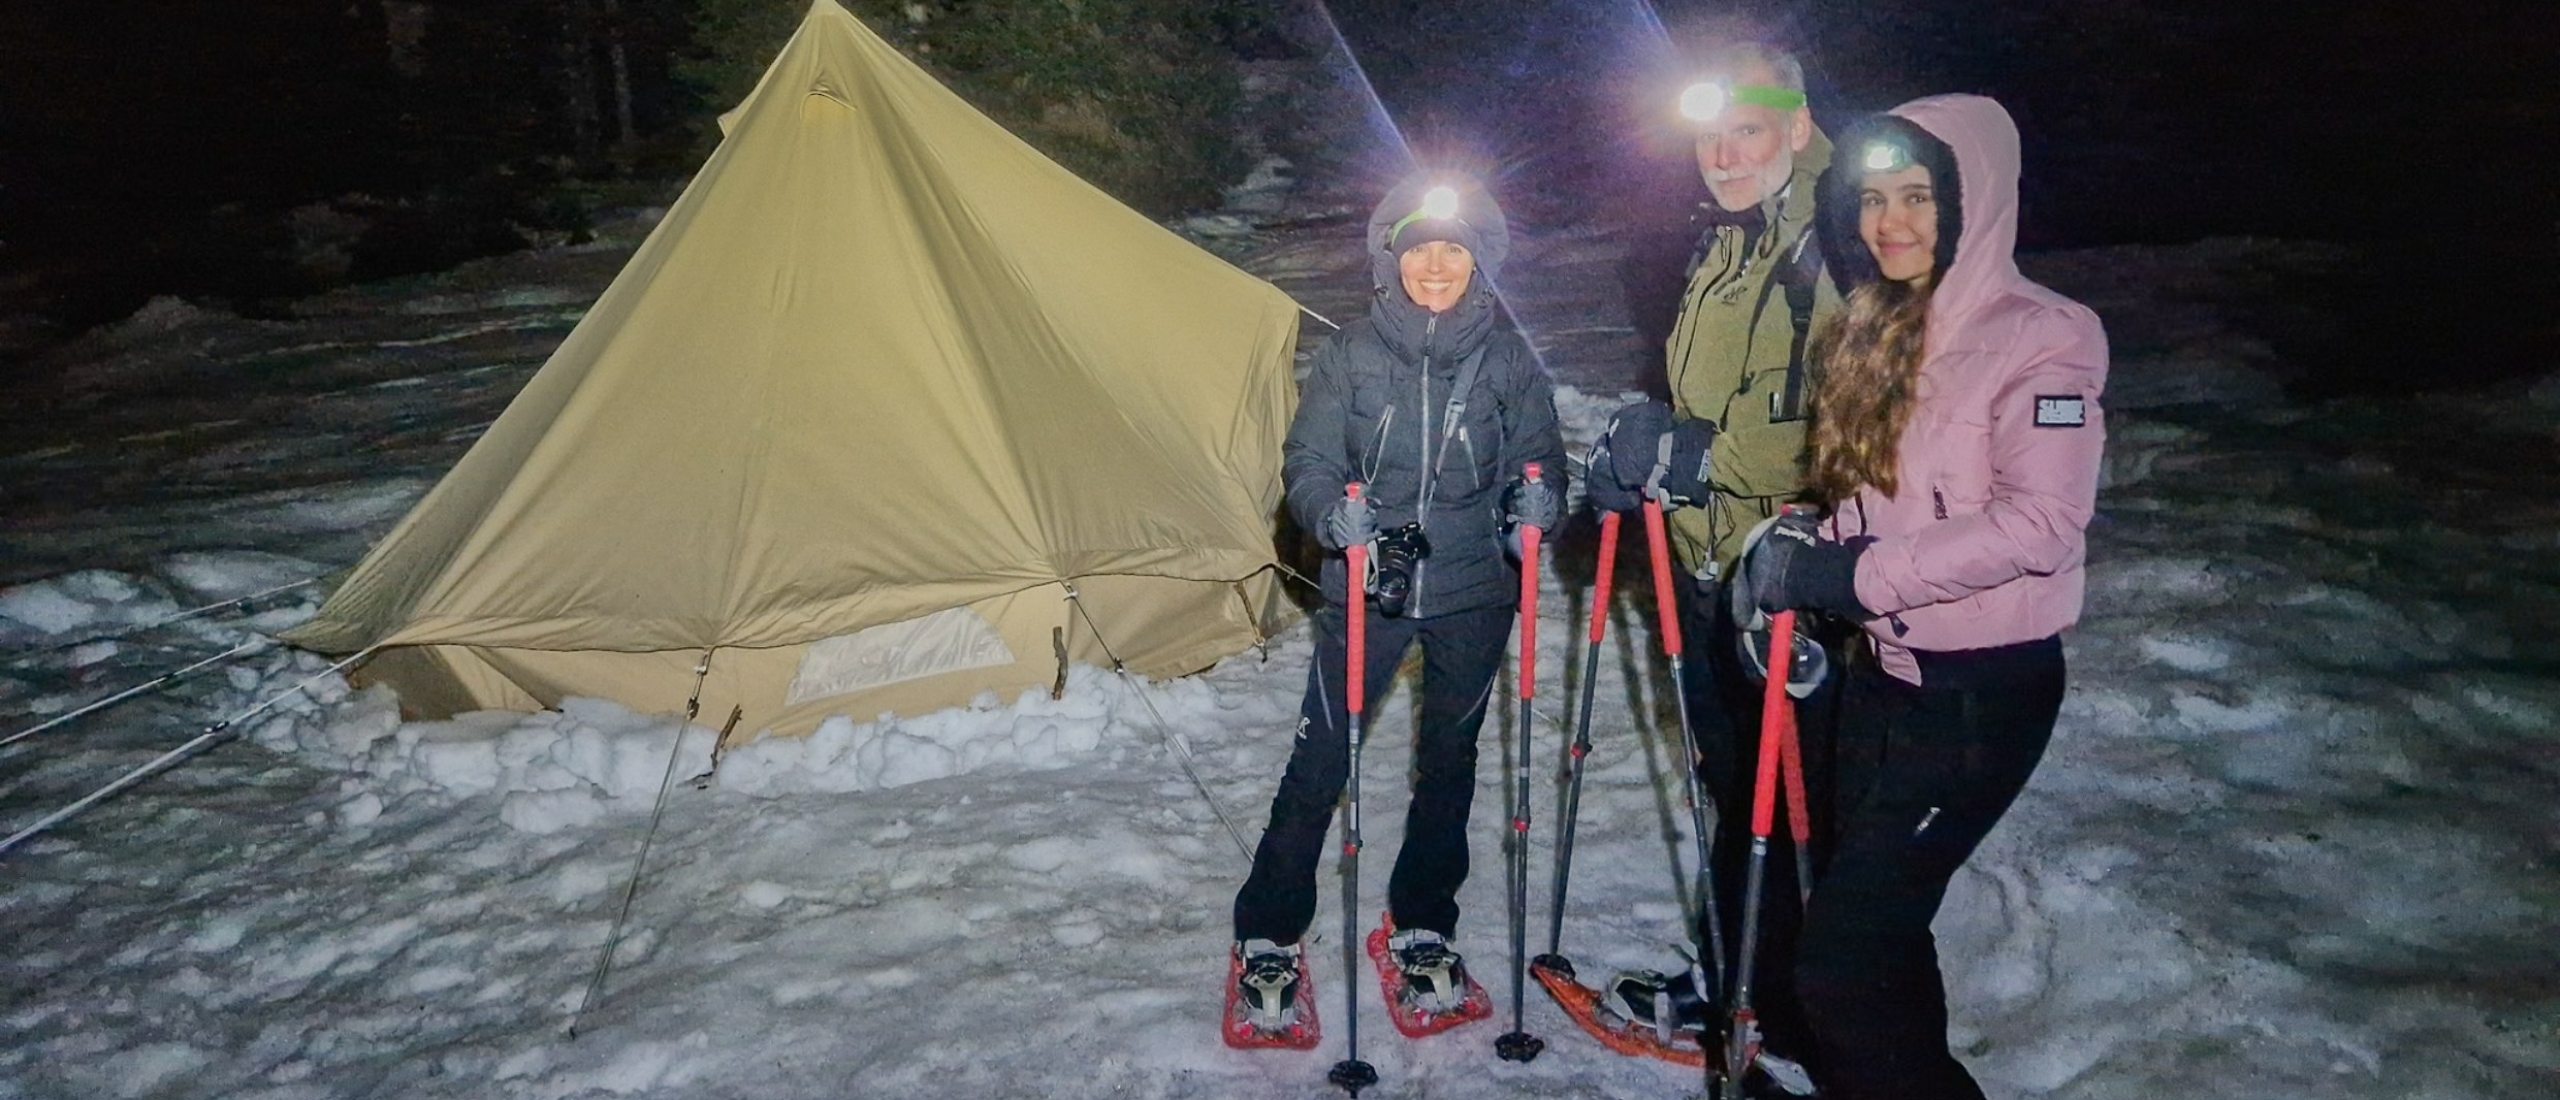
1999,465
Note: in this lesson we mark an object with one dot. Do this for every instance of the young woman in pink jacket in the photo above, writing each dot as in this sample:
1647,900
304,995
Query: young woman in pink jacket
1955,450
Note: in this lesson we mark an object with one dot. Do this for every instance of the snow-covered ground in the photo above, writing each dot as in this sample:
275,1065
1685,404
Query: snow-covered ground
2295,837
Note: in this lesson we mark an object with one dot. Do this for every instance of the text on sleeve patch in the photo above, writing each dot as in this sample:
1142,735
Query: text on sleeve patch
2061,411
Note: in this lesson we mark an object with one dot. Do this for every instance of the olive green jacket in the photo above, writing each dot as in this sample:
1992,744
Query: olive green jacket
1727,357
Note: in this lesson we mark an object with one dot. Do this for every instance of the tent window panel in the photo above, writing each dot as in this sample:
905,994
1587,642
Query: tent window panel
951,640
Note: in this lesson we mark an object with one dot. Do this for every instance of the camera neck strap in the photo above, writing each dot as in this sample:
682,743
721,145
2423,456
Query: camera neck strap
1452,416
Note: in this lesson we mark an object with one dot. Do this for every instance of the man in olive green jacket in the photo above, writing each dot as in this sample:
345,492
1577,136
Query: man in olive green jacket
1726,454
1731,350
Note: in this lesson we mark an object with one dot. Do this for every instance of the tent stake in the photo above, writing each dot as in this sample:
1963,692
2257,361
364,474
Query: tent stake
613,936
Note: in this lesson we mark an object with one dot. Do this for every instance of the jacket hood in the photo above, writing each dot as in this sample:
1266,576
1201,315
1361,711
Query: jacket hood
1482,228
1985,141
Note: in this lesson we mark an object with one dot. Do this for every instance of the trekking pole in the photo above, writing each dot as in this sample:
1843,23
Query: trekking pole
1703,884
1351,1074
1581,741
1518,1045
1777,727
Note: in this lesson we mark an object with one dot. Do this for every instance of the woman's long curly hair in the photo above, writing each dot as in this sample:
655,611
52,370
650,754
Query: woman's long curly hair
1867,358
1870,358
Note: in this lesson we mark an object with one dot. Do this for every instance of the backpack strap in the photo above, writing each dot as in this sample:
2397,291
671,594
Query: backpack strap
1801,277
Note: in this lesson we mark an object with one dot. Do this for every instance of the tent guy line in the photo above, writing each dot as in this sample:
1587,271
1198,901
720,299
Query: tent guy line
164,679
164,761
1172,737
649,839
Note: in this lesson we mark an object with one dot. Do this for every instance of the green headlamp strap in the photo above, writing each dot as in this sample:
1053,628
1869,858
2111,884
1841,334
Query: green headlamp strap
1704,100
1765,95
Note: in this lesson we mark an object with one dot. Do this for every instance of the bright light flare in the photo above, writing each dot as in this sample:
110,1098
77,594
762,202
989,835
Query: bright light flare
1703,101
1440,203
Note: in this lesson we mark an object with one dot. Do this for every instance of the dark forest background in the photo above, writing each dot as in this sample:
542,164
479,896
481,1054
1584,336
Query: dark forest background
249,151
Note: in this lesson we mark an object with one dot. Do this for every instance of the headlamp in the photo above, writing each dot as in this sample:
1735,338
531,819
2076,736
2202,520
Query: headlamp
1884,156
1704,100
1439,204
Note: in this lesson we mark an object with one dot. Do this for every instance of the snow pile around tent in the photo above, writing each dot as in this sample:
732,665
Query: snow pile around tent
592,757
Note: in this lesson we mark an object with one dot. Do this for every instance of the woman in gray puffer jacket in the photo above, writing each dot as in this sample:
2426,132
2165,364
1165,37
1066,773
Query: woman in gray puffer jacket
1436,409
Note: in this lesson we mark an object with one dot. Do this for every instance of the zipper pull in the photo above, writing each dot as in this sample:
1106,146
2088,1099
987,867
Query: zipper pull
1940,499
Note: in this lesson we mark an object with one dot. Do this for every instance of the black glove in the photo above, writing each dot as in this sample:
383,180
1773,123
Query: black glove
1787,564
1648,447
1533,503
1528,504
1692,455
1351,522
1600,481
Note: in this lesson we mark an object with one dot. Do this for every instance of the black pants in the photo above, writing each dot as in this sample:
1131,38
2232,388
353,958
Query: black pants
1461,653
1724,702
1924,773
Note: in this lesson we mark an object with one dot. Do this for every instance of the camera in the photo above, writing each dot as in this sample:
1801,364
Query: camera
1399,557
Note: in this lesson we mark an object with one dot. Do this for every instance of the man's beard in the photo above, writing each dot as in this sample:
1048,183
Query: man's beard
1772,176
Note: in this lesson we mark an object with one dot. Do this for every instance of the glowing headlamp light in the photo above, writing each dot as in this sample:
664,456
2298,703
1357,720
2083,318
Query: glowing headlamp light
1884,156
1438,204
1704,100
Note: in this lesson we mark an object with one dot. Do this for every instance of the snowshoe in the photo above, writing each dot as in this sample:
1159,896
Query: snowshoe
1623,1017
1426,984
1613,1027
1270,999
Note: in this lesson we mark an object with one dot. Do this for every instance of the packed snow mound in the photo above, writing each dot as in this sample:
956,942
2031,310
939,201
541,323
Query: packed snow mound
101,603
552,770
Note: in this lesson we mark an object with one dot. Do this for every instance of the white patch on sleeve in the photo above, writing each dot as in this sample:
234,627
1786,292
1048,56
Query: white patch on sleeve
2061,411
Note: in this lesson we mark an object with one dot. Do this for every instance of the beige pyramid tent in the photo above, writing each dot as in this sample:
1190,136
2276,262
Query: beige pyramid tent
881,388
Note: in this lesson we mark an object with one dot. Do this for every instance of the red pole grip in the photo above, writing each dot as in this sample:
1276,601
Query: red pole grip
1608,567
1777,713
1355,686
1660,549
1529,536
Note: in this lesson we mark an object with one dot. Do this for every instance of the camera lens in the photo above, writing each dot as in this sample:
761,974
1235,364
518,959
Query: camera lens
1399,551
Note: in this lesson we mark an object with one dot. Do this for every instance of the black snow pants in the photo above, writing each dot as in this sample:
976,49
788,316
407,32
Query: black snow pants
1724,700
1923,774
1461,653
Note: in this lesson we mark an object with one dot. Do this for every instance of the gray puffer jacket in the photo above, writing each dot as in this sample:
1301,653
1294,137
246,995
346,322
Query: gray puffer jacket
1375,408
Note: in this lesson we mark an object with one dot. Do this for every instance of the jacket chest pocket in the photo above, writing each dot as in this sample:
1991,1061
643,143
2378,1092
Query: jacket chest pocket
1477,443
1955,446
1368,427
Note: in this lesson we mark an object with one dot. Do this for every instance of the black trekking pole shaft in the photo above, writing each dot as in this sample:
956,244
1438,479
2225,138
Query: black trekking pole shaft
1581,745
1518,1045
1666,609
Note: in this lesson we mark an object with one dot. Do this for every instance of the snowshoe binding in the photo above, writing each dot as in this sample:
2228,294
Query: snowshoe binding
1426,984
1270,999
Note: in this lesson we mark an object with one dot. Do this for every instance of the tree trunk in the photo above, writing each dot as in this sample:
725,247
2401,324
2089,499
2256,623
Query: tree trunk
625,134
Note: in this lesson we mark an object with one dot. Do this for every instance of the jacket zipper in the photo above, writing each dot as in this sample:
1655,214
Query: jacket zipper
1422,497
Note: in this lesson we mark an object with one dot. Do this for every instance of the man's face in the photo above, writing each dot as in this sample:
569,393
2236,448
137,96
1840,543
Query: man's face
1747,153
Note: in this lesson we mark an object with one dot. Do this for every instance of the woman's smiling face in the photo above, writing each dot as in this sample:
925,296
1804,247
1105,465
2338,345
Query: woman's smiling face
1898,218
1436,274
